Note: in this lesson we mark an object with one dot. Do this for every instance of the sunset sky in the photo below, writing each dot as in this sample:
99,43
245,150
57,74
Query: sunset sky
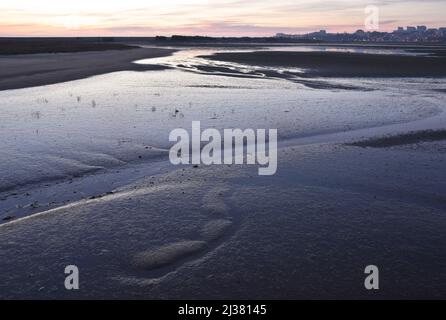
211,17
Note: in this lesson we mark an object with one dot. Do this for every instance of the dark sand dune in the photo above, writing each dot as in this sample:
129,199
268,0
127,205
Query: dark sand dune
403,139
10,46
337,64
30,70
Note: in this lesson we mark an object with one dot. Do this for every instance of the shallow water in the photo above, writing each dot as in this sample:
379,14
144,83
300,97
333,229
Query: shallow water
189,59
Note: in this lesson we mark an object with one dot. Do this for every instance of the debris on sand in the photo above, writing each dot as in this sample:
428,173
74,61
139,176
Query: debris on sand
33,205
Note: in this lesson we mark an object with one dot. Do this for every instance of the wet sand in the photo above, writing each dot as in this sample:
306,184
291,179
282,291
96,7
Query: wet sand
31,70
339,64
223,232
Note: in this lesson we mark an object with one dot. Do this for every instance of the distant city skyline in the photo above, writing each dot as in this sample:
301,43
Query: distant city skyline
211,17
420,33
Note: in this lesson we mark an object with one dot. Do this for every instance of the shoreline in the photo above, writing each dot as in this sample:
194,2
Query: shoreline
32,70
